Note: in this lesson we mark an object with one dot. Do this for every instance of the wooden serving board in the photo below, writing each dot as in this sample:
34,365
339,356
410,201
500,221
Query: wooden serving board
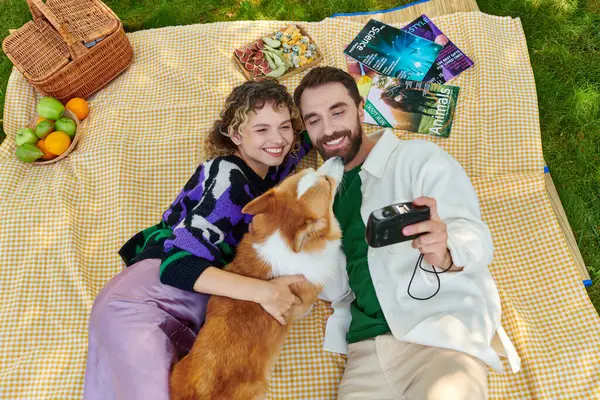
289,72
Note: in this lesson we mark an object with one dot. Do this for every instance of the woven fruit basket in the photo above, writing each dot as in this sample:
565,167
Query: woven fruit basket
32,124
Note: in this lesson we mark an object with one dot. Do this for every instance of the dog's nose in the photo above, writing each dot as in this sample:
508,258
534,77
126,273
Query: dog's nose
334,167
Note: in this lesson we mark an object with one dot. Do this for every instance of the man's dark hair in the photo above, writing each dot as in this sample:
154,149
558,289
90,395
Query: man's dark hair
322,75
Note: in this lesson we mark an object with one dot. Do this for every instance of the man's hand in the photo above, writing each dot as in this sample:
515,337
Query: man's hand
433,244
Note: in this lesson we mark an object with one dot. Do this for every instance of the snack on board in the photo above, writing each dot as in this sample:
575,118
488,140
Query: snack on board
275,55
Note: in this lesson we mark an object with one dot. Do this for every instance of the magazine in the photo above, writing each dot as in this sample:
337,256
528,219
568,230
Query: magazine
363,76
421,107
450,62
393,52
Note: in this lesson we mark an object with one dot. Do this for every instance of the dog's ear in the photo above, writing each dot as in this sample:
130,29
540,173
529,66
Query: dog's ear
261,205
311,227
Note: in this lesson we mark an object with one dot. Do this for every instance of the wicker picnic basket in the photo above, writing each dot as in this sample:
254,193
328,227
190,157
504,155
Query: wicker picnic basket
72,48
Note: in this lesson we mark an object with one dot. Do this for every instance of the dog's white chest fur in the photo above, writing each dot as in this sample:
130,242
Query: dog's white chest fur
317,267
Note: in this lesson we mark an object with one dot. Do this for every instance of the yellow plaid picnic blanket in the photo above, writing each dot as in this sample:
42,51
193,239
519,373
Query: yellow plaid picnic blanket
62,224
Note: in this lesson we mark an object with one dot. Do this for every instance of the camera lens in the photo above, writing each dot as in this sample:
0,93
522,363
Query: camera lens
386,213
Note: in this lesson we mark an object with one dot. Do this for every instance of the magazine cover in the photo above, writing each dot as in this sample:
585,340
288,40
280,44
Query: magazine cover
393,52
421,107
450,62
363,76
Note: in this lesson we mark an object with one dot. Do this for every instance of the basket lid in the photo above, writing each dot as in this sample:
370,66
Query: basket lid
36,49
88,20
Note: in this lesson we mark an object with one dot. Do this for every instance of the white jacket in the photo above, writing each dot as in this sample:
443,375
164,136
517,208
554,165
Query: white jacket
465,313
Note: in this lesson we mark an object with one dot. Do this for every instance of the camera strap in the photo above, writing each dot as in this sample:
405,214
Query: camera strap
419,265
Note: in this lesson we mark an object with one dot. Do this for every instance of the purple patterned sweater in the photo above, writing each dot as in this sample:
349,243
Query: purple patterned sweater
205,222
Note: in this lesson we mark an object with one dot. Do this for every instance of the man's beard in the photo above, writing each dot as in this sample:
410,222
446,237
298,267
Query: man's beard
347,153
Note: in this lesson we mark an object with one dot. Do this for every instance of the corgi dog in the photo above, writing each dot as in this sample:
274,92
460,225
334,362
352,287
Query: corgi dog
294,231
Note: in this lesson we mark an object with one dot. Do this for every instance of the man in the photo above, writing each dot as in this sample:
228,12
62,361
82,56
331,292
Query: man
400,346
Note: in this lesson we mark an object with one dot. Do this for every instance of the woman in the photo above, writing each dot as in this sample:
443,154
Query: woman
147,317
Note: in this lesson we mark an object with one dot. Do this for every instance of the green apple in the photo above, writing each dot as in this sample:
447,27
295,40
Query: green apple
25,135
44,128
29,152
67,125
50,108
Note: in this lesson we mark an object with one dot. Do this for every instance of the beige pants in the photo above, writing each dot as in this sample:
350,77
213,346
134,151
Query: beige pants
384,368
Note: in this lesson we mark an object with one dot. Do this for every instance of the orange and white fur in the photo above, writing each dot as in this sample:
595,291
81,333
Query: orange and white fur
294,232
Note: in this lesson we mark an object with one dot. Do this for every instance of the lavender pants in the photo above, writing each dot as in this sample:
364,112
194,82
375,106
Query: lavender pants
138,328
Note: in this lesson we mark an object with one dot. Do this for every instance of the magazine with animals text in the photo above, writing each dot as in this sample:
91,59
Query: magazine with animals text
414,106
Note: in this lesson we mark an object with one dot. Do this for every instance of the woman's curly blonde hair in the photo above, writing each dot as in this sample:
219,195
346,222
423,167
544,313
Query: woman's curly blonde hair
245,98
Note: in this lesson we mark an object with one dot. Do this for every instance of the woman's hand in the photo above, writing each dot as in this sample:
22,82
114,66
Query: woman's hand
277,299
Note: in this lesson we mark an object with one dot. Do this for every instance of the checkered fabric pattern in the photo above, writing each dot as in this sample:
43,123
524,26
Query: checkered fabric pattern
62,224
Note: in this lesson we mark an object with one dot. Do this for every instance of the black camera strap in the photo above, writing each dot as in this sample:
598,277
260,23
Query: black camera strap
419,265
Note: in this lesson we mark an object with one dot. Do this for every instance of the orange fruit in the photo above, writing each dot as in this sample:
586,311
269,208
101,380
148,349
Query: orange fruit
79,107
57,142
40,119
42,146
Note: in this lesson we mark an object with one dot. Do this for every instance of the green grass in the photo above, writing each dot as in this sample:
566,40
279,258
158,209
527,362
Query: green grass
563,37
